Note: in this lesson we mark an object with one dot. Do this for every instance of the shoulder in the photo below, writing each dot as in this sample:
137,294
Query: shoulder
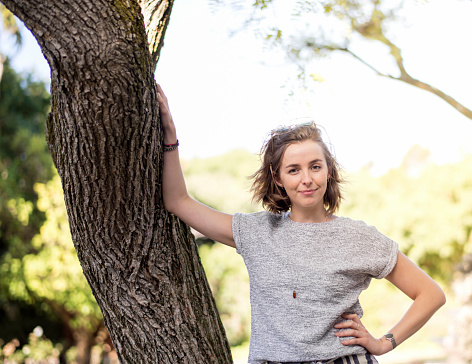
260,218
349,222
250,229
367,236
377,251
361,233
357,226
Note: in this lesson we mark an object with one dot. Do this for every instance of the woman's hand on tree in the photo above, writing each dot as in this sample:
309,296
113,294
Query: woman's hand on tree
166,117
360,336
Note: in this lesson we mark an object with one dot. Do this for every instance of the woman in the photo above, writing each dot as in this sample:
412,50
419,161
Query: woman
307,266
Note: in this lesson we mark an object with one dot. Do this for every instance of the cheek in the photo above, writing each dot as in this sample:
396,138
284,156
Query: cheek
292,182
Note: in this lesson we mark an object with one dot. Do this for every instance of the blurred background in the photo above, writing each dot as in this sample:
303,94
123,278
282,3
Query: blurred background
233,70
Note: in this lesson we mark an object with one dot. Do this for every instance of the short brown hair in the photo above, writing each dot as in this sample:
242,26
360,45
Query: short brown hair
264,188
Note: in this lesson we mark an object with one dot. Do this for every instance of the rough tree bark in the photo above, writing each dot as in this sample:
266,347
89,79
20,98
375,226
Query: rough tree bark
105,139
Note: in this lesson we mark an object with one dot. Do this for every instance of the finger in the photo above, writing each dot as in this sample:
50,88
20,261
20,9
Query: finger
356,325
163,105
344,325
161,91
350,316
161,97
351,333
354,320
351,342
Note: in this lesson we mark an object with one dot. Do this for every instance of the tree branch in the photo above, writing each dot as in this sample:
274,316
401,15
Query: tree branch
373,30
156,19
427,87
347,50
405,77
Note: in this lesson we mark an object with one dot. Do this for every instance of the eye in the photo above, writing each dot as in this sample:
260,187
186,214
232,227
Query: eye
316,167
292,171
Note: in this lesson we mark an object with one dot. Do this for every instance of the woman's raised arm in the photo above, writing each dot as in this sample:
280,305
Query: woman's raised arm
213,224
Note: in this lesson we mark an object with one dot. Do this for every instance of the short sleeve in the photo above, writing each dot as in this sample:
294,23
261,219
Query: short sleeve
383,254
248,229
236,225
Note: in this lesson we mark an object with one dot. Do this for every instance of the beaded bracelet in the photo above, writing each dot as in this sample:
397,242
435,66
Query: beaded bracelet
171,147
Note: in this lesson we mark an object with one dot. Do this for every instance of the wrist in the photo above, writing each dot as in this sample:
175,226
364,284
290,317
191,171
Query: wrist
170,132
171,147
388,342
170,141
170,137
385,346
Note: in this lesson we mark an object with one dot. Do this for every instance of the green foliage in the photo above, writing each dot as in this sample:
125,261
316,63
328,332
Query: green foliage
38,350
428,212
24,160
10,24
222,182
261,4
41,281
54,273
229,281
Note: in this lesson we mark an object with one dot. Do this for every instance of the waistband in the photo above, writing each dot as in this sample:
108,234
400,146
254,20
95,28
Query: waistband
350,359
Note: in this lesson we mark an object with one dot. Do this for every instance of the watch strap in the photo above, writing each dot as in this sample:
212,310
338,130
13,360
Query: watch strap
389,336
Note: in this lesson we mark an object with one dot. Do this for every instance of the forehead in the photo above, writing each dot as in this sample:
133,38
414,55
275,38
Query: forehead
303,152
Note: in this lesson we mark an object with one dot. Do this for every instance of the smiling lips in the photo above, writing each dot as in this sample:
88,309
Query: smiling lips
307,192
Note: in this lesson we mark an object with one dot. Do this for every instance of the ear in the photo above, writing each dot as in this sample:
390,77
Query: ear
277,180
279,183
275,177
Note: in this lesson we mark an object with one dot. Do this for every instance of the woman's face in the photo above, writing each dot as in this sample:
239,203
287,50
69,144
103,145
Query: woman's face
304,174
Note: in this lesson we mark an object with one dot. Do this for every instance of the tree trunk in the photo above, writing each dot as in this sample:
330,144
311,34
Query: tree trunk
105,139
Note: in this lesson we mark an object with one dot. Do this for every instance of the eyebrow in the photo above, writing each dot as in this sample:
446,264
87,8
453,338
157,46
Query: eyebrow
297,165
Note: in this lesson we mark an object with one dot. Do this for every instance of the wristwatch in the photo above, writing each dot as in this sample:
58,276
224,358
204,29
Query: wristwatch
391,338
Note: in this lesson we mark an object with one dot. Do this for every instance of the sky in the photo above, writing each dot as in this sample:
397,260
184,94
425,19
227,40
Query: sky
228,91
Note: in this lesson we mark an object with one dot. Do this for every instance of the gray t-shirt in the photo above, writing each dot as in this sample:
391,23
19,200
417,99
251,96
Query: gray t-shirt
326,264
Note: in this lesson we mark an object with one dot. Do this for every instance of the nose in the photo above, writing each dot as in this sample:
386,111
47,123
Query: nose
306,178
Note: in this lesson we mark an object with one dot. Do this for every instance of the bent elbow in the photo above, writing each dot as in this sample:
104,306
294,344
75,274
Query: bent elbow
174,205
442,298
169,206
438,297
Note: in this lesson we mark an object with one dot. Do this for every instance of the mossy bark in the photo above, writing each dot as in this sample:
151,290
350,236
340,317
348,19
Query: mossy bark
105,138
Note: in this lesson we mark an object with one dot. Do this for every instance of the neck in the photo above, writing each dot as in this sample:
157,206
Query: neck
318,216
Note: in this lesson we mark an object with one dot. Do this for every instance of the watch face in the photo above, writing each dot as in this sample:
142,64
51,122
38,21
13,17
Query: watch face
391,338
